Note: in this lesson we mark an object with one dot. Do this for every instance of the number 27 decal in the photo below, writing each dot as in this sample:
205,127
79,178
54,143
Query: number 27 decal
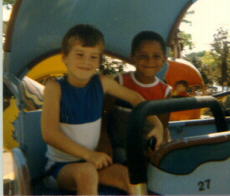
204,185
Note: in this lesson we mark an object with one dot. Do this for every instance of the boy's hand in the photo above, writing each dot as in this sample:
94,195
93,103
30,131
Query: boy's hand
158,135
157,131
99,159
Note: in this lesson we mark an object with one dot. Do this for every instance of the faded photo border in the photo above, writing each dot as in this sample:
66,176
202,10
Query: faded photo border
1,98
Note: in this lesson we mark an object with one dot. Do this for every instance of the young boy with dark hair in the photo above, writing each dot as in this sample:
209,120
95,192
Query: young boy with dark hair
148,54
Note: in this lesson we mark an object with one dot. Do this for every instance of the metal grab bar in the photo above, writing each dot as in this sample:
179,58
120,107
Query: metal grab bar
135,140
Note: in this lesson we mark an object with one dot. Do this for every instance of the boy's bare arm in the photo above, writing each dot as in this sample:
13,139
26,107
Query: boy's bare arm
55,137
164,118
113,88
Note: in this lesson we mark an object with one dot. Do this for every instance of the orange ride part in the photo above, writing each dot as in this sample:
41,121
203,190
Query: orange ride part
50,66
185,115
181,71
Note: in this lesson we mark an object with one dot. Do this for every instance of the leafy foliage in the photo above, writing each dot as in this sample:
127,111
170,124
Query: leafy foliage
197,59
185,39
181,39
9,3
221,54
113,65
214,65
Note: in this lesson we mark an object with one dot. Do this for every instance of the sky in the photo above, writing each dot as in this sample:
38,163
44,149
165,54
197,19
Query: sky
208,17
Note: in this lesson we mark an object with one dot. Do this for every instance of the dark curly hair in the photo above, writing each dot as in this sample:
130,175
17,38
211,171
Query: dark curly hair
147,36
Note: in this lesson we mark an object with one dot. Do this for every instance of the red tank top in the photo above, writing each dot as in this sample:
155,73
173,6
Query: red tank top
156,90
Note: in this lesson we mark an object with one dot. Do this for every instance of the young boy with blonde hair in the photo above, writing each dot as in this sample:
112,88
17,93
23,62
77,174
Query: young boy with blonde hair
71,117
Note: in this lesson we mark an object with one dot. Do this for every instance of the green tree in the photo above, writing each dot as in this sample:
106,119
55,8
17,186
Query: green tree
196,58
206,64
185,39
221,54
181,39
210,68
112,65
8,3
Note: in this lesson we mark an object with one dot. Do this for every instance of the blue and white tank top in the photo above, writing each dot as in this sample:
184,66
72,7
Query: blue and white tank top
80,116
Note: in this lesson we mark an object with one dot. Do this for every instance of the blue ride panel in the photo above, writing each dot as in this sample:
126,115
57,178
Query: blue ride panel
40,25
28,133
192,165
187,128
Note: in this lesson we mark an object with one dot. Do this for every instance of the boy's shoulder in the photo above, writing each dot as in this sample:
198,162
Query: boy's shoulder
56,80
51,80
52,88
52,83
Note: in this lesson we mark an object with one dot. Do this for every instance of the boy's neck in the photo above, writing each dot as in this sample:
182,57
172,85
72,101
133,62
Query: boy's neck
144,79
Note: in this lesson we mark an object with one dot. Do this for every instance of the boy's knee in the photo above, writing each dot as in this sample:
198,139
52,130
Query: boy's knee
122,169
86,172
90,168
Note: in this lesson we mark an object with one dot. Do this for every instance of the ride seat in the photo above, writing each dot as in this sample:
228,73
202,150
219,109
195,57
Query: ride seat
184,155
28,133
195,165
